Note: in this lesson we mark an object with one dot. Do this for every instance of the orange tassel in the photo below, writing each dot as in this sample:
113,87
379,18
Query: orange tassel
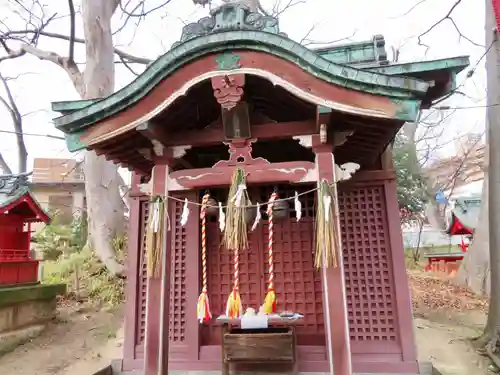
234,307
204,314
270,302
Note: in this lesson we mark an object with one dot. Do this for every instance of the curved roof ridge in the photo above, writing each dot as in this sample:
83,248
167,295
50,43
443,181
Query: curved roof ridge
244,31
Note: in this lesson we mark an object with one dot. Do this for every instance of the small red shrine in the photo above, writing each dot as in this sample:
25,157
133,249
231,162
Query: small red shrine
462,215
240,130
18,209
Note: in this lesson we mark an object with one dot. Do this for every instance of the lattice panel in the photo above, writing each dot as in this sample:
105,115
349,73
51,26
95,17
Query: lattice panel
220,271
178,275
143,279
298,286
369,282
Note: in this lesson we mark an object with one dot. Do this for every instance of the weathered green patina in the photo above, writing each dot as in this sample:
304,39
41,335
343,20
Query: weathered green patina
18,294
228,61
232,28
15,187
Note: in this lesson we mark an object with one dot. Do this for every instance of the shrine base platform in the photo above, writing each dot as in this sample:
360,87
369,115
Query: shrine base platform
425,368
24,310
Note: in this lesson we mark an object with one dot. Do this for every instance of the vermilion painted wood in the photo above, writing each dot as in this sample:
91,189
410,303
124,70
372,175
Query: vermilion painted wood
36,214
18,272
153,317
16,267
132,286
256,60
403,301
289,172
215,134
336,314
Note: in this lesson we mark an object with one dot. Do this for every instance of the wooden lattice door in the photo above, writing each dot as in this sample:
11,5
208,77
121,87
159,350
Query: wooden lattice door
297,284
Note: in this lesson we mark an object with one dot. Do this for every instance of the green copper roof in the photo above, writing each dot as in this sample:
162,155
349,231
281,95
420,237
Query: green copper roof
233,27
14,187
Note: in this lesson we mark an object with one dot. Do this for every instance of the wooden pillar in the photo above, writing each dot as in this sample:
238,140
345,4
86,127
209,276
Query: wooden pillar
403,300
334,296
133,265
157,288
166,268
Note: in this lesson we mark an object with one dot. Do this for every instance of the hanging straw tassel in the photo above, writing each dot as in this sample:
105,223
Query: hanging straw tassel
270,300
327,239
233,306
236,234
204,314
154,236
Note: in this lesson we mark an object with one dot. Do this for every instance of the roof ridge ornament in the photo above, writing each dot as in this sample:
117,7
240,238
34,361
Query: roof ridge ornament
229,17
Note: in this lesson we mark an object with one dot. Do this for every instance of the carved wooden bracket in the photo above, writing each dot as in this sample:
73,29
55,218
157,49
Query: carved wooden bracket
288,172
240,153
228,90
345,171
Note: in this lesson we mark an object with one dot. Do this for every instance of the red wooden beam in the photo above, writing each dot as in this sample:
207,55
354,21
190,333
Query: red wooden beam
215,135
288,172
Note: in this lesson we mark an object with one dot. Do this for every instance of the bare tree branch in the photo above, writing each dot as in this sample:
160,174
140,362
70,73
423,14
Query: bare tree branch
142,5
307,42
4,167
409,10
277,9
448,17
17,121
128,66
71,54
5,36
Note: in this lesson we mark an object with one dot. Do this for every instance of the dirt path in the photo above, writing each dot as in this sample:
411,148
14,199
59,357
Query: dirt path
77,343
82,342
443,345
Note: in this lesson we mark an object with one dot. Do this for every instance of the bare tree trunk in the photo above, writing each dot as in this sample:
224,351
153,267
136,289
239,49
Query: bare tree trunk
104,205
17,121
22,153
436,219
474,272
491,333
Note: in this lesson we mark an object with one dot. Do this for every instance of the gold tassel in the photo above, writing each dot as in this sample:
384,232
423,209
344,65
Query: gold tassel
154,236
327,239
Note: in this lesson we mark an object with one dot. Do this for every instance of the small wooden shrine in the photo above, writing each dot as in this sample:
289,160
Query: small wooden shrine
263,182
18,209
462,215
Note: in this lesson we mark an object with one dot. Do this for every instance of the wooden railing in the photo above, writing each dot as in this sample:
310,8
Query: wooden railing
12,255
16,267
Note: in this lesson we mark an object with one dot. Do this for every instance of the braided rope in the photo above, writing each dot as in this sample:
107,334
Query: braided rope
274,196
203,215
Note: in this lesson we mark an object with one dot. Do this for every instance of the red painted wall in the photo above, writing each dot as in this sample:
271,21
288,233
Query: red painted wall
380,323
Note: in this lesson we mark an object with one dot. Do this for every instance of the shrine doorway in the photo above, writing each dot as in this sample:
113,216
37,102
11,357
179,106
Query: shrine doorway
298,284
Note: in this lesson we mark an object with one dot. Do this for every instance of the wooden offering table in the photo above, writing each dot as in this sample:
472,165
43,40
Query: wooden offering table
273,344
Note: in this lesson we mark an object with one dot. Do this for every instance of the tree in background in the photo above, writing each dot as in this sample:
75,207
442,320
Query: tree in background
8,102
411,184
104,203
93,79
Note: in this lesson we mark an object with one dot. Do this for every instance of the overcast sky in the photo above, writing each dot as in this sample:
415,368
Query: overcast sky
332,20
